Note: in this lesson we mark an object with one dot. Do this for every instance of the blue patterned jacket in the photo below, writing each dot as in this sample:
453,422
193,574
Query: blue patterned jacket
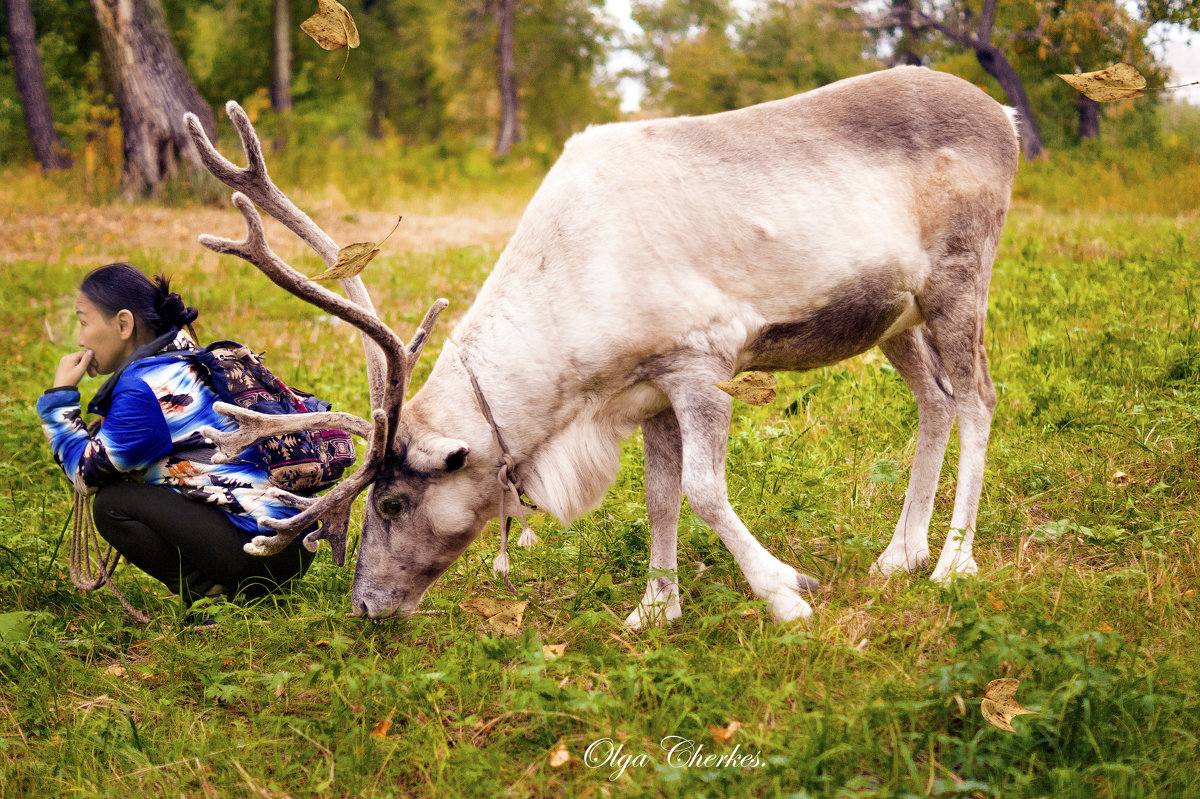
153,409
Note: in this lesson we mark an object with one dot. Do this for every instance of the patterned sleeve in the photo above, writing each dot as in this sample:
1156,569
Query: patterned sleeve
134,434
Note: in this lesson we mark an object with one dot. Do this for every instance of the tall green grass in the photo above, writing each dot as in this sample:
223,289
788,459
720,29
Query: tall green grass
1086,591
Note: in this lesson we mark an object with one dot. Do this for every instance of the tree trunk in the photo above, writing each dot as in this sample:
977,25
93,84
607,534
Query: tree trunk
31,84
995,64
152,90
905,52
281,57
1089,117
506,62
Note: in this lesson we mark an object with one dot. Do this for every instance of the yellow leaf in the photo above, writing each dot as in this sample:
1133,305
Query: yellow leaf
722,734
1117,82
353,258
332,27
504,615
999,704
1105,627
752,388
553,650
380,730
560,756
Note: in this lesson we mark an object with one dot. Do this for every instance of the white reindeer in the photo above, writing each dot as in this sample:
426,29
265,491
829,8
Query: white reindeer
658,258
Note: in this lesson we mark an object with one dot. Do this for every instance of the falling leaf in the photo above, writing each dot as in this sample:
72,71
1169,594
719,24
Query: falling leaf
752,388
504,615
1118,82
353,258
999,704
560,756
553,650
332,27
380,730
722,734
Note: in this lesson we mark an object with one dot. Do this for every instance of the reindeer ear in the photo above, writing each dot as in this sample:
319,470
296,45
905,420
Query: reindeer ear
435,455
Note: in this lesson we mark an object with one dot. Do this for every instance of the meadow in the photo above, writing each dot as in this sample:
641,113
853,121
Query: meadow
1088,543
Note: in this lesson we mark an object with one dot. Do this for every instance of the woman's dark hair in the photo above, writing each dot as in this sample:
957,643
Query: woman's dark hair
117,287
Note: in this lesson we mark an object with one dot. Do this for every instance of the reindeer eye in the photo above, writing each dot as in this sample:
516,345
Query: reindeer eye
393,506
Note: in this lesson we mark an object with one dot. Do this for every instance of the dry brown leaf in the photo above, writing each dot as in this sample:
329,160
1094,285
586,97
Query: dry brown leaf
560,756
1120,480
353,258
752,388
380,730
553,650
332,27
999,704
115,670
722,734
504,615
1117,82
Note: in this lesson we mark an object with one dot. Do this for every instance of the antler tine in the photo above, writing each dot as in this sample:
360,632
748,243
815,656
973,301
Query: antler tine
254,426
254,248
332,509
417,343
254,181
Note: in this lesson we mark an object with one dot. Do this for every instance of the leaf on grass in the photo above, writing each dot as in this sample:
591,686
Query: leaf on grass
504,615
999,704
560,756
353,258
380,730
15,626
553,650
115,670
1117,82
722,734
1120,480
752,388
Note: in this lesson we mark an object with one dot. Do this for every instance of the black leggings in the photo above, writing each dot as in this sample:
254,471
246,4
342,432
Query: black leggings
190,547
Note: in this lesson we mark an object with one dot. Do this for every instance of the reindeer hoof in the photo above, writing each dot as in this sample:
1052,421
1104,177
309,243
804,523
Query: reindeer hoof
892,561
648,615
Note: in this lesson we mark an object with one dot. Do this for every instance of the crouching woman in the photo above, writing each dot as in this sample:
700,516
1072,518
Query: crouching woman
160,500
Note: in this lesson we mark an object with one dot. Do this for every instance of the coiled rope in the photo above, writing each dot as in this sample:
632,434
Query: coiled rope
85,544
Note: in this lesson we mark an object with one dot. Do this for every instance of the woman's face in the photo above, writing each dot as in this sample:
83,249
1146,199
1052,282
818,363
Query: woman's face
110,338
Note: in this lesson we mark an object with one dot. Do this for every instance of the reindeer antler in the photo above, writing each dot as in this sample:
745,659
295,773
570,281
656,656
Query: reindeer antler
390,361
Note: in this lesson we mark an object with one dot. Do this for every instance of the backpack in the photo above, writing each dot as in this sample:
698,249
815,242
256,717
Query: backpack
302,463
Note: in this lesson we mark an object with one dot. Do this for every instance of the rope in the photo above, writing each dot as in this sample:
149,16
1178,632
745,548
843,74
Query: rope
85,544
510,483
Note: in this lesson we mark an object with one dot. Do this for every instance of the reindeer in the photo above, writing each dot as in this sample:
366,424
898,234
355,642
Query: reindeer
660,257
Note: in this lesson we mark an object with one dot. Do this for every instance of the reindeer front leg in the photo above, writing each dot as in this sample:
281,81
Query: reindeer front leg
664,493
703,412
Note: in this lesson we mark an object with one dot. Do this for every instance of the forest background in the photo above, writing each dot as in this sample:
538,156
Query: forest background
436,83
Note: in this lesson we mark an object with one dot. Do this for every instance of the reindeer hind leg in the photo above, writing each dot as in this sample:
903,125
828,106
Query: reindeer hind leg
915,356
664,493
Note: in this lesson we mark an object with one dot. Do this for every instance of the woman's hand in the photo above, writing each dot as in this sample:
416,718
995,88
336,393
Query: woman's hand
72,368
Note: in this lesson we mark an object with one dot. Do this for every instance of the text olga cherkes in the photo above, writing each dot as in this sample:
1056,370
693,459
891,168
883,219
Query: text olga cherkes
677,752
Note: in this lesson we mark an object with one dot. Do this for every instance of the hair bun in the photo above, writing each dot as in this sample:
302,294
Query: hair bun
174,312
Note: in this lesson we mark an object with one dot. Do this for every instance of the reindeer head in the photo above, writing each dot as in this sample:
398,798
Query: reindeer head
428,494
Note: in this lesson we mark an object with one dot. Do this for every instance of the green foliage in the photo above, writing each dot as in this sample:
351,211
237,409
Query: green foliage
702,57
1086,592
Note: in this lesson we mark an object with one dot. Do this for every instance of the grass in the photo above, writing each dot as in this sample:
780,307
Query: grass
1086,591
